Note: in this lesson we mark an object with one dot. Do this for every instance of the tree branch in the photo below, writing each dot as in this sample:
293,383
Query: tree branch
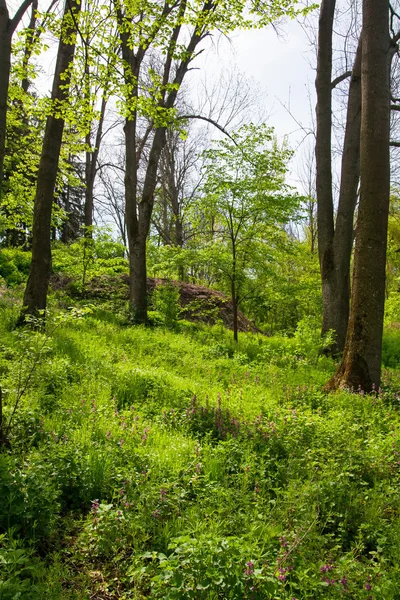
19,14
339,79
217,125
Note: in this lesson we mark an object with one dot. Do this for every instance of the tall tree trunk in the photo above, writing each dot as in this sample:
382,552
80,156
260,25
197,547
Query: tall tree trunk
38,281
335,243
336,266
323,149
361,362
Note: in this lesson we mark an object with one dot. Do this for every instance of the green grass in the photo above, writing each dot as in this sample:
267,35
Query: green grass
156,463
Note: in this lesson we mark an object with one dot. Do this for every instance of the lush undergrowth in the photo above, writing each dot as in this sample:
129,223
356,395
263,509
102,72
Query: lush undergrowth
151,463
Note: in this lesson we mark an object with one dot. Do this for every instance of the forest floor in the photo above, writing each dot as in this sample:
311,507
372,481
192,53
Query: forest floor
171,463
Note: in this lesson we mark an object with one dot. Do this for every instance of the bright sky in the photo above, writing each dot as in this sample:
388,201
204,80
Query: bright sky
281,66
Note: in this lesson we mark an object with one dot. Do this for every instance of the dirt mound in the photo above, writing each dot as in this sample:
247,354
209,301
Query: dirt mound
203,304
198,303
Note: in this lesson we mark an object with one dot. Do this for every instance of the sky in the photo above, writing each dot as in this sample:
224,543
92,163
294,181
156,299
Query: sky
281,66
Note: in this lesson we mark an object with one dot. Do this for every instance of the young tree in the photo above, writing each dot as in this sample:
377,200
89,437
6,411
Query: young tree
248,201
361,362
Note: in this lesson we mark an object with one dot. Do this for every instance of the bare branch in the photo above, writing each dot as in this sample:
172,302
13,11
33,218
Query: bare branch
217,125
340,78
19,14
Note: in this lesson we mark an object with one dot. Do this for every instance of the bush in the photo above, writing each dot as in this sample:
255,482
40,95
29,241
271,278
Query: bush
14,265
166,301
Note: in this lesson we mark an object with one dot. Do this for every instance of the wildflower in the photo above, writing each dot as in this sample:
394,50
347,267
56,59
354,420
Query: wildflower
95,505
283,542
368,587
156,513
343,581
198,468
326,568
163,493
249,569
108,434
282,574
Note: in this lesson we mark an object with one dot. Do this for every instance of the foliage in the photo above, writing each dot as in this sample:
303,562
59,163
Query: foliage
178,464
14,265
166,301
90,257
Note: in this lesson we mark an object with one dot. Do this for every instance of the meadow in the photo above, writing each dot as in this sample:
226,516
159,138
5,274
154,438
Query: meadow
171,463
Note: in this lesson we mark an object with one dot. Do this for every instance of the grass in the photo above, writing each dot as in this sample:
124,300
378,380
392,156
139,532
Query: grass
157,463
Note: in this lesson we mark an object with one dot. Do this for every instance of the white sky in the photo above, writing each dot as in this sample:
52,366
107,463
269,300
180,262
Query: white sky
281,66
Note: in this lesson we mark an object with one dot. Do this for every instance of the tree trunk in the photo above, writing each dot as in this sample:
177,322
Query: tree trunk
335,269
323,86
361,363
335,243
38,281
90,168
5,66
138,231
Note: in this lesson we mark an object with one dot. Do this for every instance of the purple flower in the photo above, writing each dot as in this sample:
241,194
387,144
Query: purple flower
249,569
156,513
283,542
368,587
326,568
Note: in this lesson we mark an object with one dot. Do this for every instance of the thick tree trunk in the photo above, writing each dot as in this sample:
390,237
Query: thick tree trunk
37,286
335,269
137,234
361,362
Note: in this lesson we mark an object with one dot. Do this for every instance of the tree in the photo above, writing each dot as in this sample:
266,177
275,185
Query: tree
335,239
248,202
173,31
7,28
35,296
361,362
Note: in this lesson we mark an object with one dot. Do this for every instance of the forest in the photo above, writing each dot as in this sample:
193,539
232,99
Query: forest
200,319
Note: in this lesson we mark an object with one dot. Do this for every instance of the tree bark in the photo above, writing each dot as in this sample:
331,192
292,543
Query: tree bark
335,269
335,242
361,363
323,149
38,281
